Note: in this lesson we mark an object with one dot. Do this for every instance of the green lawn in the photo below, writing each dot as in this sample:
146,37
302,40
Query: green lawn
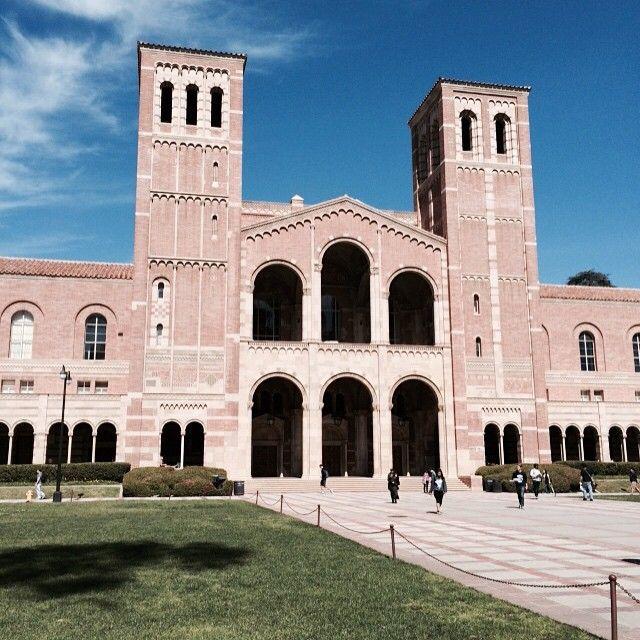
89,490
630,498
224,570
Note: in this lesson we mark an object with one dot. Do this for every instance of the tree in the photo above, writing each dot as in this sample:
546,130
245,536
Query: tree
590,278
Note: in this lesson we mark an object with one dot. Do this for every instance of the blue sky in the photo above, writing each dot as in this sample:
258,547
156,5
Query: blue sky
328,92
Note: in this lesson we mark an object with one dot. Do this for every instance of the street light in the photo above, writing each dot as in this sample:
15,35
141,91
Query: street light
65,376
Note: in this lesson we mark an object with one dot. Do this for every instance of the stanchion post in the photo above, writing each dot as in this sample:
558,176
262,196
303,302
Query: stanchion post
257,494
281,499
613,592
393,541
318,523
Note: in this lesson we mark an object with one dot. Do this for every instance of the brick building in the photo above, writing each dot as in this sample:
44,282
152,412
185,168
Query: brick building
266,337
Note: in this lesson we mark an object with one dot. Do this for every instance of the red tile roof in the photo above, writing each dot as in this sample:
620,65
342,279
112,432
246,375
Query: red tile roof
66,269
571,292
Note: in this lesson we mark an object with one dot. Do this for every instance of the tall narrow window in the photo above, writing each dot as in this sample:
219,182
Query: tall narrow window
160,290
95,337
216,173
466,122
166,101
636,352
192,104
476,304
159,333
501,134
478,348
216,107
587,346
434,147
214,224
21,339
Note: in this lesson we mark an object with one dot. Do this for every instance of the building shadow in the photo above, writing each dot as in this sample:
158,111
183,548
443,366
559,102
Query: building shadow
56,571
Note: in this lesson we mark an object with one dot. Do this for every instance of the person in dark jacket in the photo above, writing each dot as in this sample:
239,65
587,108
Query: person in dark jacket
586,483
324,474
519,478
439,488
393,484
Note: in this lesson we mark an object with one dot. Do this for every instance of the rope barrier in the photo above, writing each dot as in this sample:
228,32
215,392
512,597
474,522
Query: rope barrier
270,504
353,530
300,513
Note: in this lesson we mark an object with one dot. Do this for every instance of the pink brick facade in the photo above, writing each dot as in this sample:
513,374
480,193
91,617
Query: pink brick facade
266,338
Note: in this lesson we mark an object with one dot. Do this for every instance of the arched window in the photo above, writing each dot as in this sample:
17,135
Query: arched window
95,337
478,347
636,352
159,331
214,224
501,122
466,123
21,339
160,290
587,346
476,304
216,173
216,107
192,104
166,101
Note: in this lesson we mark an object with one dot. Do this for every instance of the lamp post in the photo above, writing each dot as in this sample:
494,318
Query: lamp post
65,376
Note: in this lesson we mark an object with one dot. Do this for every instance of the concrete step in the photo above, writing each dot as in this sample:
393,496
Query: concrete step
307,485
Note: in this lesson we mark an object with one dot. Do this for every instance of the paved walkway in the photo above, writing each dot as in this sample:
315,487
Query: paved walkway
552,541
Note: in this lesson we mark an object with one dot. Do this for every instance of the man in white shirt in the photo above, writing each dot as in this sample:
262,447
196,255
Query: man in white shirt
536,479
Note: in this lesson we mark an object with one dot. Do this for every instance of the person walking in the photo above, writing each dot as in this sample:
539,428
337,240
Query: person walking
324,475
536,479
548,485
633,481
519,478
586,484
439,488
393,484
426,478
39,492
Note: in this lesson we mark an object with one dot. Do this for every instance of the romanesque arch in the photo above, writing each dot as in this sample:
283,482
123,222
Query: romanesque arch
56,431
633,444
106,442
572,443
4,443
22,444
347,427
555,441
193,445
414,424
616,444
591,444
512,444
170,444
82,443
492,444
276,428
411,309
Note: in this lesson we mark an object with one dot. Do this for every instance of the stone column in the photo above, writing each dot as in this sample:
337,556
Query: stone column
581,447
384,318
181,450
443,441
93,447
374,303
378,469
307,314
563,448
69,446
10,448
385,442
501,448
313,455
624,448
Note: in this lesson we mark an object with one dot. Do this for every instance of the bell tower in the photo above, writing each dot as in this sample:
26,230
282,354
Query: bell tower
472,184
187,237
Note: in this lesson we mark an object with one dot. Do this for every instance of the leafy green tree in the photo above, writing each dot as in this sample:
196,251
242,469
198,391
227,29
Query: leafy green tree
590,278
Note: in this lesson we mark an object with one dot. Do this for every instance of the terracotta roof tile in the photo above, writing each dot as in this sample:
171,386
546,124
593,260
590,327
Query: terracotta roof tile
571,292
66,269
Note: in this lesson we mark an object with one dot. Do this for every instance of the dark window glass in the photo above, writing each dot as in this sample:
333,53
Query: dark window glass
95,337
166,101
501,135
466,132
636,352
587,345
216,107
192,104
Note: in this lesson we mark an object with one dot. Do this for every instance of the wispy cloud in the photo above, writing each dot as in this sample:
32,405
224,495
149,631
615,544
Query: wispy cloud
43,245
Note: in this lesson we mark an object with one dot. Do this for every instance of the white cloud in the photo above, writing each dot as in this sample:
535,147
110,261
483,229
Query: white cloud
45,245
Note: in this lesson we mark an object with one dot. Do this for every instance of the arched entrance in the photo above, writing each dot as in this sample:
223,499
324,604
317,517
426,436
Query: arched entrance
414,424
276,429
492,444
572,443
616,444
106,442
591,444
347,428
511,445
277,304
170,444
82,443
194,445
346,312
53,442
411,310
22,444
4,443
633,444
555,441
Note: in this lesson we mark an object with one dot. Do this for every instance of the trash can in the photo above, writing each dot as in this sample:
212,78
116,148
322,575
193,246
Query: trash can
488,484
497,486
238,487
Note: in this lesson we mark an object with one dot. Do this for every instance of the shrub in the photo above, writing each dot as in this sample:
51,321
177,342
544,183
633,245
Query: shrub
564,478
604,468
167,481
73,472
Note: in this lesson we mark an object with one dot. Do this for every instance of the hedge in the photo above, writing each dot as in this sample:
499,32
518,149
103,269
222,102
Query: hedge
146,482
73,472
563,477
604,468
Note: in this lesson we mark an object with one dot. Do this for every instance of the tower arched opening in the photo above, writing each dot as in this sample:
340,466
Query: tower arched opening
411,317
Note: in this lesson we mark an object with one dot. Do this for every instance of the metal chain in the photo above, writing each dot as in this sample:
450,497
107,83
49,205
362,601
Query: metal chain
350,529
508,582
300,513
634,598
